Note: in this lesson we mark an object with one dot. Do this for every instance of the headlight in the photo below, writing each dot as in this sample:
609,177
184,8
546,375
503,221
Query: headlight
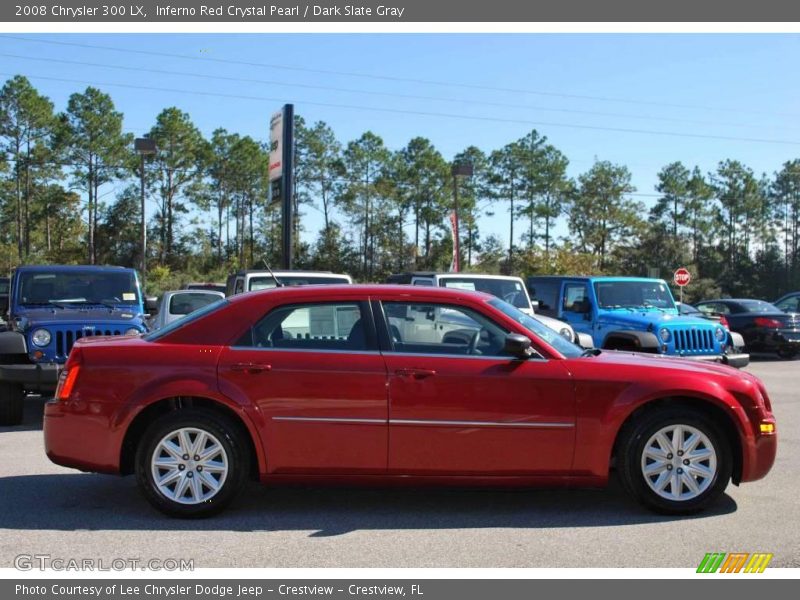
565,332
720,333
41,337
132,331
664,335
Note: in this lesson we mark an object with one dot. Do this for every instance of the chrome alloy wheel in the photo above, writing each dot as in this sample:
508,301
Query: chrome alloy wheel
679,462
189,466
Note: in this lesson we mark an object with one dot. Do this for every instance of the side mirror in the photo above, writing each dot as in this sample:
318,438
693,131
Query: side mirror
517,345
151,305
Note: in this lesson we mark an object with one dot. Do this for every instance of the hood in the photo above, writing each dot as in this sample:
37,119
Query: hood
78,316
654,319
659,361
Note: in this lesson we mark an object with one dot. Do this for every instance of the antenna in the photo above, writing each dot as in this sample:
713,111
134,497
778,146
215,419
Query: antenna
278,282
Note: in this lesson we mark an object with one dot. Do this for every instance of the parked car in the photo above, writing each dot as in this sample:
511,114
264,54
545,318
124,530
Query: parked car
764,327
509,288
358,383
636,314
214,287
50,307
790,303
253,280
176,304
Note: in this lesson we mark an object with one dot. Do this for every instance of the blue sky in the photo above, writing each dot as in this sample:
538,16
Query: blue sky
726,85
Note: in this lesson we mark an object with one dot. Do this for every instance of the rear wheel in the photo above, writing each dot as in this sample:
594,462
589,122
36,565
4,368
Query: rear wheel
787,353
12,403
674,461
191,463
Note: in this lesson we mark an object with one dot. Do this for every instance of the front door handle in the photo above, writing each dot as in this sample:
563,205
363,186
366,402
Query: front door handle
252,368
415,373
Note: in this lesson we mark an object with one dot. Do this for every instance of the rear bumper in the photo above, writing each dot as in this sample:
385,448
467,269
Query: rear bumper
737,360
78,437
38,378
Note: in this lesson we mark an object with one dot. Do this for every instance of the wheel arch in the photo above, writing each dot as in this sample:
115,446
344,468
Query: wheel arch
158,408
715,412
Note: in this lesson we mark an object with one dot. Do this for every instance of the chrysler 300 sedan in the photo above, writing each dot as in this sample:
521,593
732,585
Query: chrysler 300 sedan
392,383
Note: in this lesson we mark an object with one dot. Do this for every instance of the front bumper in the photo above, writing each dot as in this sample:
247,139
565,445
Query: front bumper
737,360
33,377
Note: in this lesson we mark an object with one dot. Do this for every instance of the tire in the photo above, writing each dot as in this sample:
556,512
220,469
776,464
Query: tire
227,463
12,403
787,353
643,434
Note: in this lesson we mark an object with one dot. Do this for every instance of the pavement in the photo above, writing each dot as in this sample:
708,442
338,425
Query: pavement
46,509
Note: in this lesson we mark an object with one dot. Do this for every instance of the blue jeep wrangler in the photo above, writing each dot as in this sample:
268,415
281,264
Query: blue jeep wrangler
637,314
49,308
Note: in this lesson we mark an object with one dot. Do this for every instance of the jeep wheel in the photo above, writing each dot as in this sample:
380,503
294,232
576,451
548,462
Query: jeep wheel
191,463
674,461
12,403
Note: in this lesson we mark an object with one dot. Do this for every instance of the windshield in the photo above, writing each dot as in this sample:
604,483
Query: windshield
510,290
634,294
267,282
550,336
181,321
76,287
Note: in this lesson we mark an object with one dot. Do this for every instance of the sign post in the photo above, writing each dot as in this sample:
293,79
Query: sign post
281,174
682,277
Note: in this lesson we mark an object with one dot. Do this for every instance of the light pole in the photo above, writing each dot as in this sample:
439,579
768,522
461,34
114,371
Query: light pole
144,146
466,170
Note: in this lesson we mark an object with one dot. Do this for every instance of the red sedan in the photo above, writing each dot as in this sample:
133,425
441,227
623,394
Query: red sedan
397,383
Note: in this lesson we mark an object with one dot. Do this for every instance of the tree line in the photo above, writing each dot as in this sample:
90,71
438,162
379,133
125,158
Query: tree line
69,193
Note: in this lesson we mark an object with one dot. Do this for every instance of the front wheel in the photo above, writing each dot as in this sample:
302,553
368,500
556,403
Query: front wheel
674,461
12,403
191,463
787,353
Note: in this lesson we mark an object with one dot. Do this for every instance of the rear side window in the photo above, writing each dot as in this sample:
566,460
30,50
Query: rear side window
546,292
183,304
332,326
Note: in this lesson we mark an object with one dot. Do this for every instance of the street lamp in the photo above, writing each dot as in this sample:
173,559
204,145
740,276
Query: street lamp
465,170
144,146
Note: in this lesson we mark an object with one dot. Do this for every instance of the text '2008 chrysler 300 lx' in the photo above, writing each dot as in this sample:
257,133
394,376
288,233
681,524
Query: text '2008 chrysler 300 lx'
390,383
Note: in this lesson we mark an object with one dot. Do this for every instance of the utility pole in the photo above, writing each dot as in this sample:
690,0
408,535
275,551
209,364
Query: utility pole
144,147
466,170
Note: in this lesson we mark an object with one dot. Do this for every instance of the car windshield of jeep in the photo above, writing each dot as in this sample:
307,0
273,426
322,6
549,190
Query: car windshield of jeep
78,288
649,295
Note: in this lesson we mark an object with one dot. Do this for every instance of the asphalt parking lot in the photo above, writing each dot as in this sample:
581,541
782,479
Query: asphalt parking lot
46,509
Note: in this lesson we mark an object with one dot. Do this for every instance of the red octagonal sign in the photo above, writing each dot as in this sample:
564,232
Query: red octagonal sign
682,277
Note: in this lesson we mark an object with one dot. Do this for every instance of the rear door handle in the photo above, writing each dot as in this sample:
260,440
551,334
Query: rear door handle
415,373
252,368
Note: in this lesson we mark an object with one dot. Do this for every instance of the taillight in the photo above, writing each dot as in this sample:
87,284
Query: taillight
767,322
724,322
69,375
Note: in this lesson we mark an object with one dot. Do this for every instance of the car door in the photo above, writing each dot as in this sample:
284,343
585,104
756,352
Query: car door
459,406
314,373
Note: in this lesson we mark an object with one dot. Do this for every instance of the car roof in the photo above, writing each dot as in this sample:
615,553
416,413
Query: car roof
360,291
52,268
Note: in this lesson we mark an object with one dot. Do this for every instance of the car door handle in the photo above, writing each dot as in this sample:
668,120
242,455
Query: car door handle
415,373
251,368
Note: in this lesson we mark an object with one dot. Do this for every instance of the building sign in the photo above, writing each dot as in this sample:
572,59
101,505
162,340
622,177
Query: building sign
276,146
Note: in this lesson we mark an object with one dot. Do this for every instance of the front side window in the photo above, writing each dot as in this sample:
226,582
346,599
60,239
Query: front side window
552,337
790,305
418,328
320,326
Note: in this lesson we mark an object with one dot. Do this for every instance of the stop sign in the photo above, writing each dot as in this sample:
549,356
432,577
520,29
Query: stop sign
682,277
